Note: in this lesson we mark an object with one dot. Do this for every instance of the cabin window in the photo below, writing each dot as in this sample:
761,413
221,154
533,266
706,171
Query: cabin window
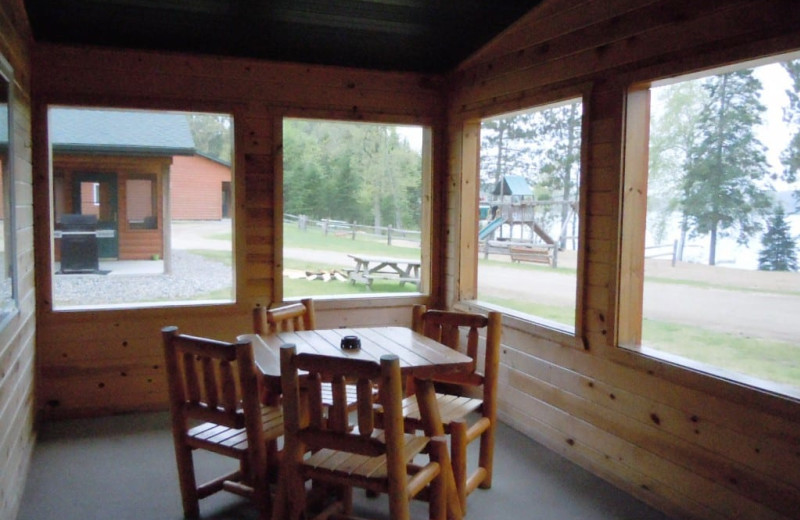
721,287
8,263
353,212
528,200
140,202
138,208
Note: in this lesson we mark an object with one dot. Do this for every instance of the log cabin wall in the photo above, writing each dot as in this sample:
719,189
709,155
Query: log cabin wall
689,444
17,337
110,361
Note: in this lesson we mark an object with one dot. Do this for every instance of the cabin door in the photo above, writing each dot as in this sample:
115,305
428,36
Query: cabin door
96,194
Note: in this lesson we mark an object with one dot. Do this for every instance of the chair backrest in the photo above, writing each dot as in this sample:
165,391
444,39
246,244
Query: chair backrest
449,327
285,318
212,381
311,429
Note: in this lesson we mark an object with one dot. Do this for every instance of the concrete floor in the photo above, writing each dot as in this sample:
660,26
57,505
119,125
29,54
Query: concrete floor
123,467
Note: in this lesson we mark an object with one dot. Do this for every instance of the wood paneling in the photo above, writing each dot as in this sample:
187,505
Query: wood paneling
693,445
106,361
17,367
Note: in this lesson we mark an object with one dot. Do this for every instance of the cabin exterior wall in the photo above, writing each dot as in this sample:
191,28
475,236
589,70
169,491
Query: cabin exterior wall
196,188
689,444
17,367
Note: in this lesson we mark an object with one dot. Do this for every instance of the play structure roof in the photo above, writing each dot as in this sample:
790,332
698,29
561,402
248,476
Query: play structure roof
512,185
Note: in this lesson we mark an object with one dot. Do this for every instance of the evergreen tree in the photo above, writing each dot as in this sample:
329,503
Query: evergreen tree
778,251
721,190
213,135
790,158
676,109
560,133
503,147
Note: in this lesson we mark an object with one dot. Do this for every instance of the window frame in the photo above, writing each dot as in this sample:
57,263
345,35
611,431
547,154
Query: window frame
9,307
467,297
633,229
427,203
162,201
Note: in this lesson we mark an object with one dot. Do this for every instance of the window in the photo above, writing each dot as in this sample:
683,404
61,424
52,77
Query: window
8,264
721,286
530,165
140,198
353,208
138,208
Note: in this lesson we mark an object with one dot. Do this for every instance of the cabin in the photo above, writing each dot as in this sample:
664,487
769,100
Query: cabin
691,442
115,165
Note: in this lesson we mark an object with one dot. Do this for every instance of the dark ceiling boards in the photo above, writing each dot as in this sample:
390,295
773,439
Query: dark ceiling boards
404,35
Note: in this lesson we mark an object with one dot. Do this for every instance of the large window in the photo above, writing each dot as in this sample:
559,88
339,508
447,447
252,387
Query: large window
352,208
528,212
8,264
120,180
721,286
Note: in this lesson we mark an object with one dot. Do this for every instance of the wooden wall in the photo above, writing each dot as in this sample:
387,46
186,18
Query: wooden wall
17,337
691,445
195,188
111,361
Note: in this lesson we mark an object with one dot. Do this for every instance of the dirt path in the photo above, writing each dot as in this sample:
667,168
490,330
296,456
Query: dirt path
759,304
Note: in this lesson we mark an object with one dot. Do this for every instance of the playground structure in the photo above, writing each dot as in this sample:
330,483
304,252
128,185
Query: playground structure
514,223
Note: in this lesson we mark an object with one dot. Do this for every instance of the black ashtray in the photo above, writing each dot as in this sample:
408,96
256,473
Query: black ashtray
351,343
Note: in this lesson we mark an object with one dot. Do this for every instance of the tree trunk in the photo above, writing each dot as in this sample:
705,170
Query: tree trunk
712,253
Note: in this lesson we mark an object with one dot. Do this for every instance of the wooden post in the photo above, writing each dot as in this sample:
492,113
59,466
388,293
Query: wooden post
389,235
354,229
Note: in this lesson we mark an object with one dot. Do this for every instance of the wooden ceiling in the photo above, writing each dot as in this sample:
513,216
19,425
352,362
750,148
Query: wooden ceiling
406,35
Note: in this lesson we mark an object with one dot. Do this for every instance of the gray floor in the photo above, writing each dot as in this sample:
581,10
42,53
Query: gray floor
123,468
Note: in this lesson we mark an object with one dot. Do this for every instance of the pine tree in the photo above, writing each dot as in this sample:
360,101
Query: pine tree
722,189
779,251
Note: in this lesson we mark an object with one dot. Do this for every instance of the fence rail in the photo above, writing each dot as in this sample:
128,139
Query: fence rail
355,230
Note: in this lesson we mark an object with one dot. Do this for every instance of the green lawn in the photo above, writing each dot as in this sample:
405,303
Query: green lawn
314,238
777,361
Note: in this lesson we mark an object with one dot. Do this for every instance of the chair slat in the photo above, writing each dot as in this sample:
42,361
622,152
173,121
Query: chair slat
190,377
228,384
210,389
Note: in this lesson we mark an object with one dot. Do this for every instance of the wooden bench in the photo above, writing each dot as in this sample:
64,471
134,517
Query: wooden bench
539,255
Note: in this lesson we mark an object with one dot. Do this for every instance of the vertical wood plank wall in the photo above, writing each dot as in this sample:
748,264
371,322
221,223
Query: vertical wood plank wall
17,338
689,444
111,361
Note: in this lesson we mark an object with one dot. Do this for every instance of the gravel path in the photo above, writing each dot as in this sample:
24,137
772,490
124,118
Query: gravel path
193,276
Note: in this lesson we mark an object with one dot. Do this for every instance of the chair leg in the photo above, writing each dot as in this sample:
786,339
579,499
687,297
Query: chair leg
437,497
458,459
187,481
486,457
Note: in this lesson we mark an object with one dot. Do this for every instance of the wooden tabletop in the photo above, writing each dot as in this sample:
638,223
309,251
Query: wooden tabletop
418,354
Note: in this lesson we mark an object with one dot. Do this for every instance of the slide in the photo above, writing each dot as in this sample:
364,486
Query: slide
487,230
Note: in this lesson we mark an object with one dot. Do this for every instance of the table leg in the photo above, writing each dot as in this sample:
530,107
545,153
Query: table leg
432,423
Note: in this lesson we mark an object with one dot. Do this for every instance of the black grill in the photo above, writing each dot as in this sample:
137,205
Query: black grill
79,244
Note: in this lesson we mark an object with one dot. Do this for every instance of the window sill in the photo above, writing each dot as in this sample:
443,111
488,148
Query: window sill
533,325
713,379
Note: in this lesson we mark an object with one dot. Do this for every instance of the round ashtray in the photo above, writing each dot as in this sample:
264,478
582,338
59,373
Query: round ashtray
351,343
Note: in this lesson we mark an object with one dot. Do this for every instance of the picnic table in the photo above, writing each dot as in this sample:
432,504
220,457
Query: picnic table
369,268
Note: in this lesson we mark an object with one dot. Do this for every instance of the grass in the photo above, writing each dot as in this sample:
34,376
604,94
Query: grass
776,361
301,287
772,360
313,238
